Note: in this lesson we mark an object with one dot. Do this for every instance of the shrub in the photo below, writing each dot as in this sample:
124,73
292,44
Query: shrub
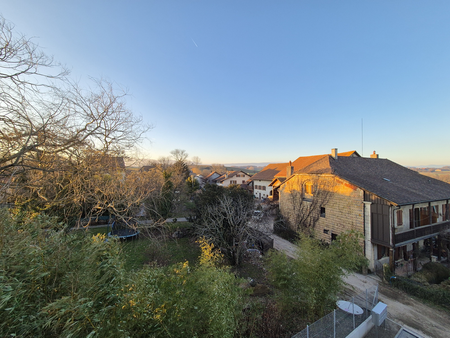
439,296
435,272
58,284
310,283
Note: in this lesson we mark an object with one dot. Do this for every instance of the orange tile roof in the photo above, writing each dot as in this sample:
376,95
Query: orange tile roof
304,161
269,171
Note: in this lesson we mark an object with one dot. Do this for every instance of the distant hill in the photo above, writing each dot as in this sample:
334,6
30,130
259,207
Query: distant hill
431,168
248,169
259,164
205,169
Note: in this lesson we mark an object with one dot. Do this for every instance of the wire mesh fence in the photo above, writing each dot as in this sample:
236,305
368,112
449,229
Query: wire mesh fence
342,321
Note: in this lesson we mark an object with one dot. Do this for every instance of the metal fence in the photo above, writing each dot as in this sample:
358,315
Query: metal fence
340,323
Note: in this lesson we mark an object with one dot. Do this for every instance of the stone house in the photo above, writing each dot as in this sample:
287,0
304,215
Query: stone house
397,209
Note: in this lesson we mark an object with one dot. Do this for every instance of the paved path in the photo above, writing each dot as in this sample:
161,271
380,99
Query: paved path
287,247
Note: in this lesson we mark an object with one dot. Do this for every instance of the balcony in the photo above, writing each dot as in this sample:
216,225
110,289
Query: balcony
421,232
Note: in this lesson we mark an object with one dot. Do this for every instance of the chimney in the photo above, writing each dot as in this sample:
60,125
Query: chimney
334,153
374,155
289,170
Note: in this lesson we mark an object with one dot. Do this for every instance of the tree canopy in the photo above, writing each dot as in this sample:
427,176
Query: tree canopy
57,139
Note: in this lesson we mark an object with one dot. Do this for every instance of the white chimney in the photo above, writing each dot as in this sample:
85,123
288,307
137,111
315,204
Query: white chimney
334,153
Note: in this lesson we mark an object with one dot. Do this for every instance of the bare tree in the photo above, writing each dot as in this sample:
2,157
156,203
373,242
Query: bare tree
163,163
51,132
302,200
196,161
226,223
179,155
220,168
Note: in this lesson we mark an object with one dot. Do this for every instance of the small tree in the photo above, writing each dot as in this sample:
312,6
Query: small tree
192,185
222,215
310,283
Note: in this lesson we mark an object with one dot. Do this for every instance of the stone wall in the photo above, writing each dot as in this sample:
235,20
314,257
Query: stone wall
344,210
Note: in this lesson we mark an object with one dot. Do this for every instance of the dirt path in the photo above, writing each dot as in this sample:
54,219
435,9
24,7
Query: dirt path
410,313
406,311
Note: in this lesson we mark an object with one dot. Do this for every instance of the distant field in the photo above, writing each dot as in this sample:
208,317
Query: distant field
440,175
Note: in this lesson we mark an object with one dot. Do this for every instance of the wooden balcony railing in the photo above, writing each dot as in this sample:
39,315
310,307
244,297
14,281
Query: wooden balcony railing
420,232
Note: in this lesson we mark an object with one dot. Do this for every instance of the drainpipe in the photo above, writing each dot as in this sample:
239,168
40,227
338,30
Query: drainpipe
392,240
364,226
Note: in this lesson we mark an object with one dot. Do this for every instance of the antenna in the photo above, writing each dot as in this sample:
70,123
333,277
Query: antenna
362,137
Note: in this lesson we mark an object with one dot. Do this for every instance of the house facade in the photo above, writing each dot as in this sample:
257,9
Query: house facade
234,177
261,181
397,209
211,178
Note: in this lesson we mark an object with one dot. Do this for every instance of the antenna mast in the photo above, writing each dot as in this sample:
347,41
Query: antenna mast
362,137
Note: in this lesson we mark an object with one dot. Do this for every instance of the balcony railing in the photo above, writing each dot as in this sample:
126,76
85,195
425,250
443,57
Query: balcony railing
421,232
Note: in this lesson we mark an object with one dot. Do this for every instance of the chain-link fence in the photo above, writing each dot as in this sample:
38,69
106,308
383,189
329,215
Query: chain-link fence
341,322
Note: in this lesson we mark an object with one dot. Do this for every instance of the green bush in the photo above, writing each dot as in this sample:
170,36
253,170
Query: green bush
439,296
435,272
59,284
310,283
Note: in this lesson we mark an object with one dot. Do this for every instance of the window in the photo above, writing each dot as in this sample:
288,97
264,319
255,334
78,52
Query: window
382,251
445,212
399,218
322,212
263,187
434,214
233,182
333,237
243,181
424,216
308,189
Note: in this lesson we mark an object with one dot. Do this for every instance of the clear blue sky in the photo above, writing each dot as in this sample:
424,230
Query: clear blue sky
264,81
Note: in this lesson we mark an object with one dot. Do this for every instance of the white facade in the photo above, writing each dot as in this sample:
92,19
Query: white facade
235,178
261,189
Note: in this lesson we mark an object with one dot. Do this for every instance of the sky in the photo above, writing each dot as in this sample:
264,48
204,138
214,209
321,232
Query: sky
263,81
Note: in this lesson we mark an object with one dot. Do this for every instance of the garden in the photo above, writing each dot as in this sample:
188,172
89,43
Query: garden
61,283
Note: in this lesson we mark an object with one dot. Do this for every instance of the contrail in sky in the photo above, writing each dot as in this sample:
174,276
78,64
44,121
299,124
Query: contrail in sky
194,42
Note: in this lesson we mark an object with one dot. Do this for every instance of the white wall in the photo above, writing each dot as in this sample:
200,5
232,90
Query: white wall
239,180
261,193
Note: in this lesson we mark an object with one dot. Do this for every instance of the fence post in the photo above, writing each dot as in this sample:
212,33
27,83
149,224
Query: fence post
367,297
334,323
375,297
353,311
307,331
